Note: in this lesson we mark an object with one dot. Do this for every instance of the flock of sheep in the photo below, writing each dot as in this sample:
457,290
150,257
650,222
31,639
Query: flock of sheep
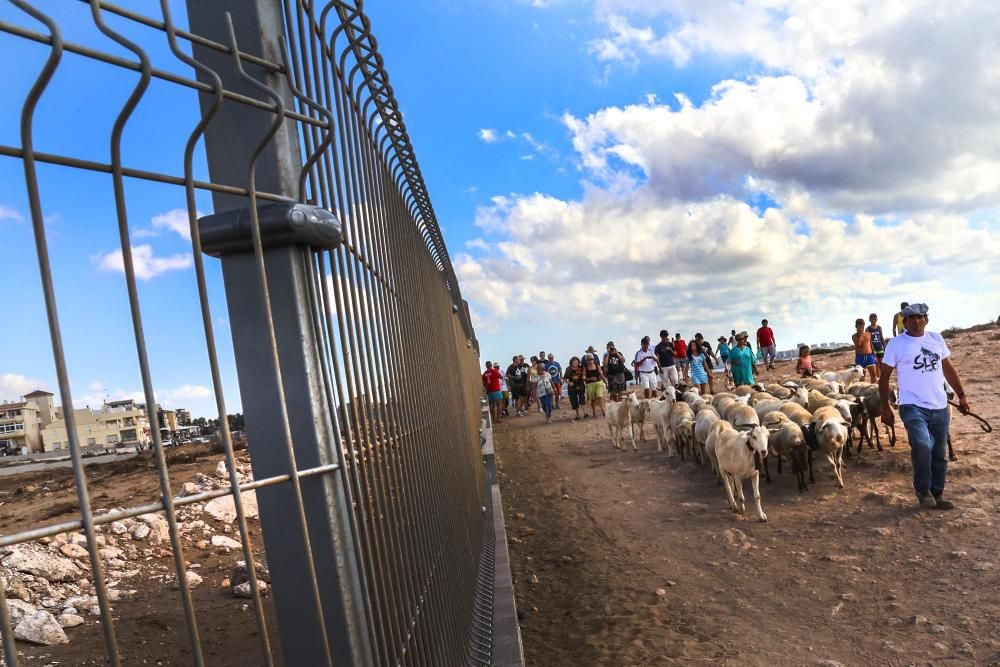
736,432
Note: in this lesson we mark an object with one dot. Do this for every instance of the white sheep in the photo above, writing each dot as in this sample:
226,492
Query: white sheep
740,455
846,377
741,416
831,436
659,413
764,408
702,424
637,414
682,427
618,417
800,396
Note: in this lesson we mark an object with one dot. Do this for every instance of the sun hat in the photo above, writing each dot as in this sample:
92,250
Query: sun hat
721,339
915,309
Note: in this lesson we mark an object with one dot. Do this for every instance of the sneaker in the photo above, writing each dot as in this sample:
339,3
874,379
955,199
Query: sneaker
943,504
926,501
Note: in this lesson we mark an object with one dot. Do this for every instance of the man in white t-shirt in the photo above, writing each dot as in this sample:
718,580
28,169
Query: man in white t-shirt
921,361
646,365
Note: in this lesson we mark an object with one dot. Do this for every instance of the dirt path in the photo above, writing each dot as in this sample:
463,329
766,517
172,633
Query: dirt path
855,576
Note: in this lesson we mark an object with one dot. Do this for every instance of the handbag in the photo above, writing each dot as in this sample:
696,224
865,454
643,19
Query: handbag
628,375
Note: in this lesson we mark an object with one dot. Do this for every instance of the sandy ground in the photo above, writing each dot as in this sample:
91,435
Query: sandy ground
625,558
150,624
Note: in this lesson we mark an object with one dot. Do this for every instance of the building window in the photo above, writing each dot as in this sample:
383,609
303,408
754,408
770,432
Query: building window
112,439
91,442
11,428
128,435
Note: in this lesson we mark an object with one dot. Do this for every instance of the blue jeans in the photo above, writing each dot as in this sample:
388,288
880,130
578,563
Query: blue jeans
927,431
546,401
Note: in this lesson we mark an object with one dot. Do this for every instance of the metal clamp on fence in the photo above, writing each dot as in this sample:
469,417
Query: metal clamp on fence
281,224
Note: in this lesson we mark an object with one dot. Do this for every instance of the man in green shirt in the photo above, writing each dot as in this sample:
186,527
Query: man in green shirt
741,359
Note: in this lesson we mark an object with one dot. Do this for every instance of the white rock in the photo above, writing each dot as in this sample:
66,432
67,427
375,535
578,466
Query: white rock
40,628
221,471
108,553
118,528
243,590
193,579
223,541
18,609
78,539
140,531
74,551
70,620
159,530
189,489
224,508
39,561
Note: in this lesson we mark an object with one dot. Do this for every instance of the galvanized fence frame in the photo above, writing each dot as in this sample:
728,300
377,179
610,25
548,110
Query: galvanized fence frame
358,357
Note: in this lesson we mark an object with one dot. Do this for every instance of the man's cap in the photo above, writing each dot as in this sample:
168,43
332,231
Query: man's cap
611,343
915,309
591,349
645,339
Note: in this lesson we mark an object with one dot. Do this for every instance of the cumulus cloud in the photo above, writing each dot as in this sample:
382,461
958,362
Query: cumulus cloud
489,135
147,264
13,386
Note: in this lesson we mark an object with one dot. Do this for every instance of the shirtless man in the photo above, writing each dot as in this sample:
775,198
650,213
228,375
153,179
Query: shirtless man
864,353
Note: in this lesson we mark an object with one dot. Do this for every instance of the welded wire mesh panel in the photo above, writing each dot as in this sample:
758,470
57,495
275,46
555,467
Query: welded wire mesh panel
391,343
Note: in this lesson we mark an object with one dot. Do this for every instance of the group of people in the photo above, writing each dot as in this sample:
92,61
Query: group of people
919,358
589,377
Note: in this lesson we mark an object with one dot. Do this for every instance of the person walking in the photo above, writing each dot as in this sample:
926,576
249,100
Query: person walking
646,366
723,351
555,373
878,339
700,345
664,352
545,391
491,383
576,386
681,357
921,359
741,358
766,345
864,355
614,367
504,390
701,373
517,380
594,378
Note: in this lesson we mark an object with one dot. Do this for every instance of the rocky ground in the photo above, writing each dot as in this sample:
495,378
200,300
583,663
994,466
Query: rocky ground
51,598
633,558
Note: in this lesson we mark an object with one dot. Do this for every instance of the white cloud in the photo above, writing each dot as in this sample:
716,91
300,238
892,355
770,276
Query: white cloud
489,135
13,386
8,213
146,264
186,392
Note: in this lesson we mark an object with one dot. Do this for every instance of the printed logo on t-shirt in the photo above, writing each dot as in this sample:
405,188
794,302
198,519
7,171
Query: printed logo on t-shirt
927,361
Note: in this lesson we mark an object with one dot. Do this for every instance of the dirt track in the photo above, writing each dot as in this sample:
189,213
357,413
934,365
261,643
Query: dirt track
855,576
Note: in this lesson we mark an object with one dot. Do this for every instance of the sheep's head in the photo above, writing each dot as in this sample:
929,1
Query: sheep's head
744,399
633,400
835,432
756,440
801,396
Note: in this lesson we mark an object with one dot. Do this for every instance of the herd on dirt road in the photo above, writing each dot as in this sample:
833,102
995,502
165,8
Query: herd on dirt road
738,432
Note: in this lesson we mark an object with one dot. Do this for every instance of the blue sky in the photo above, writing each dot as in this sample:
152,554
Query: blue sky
600,170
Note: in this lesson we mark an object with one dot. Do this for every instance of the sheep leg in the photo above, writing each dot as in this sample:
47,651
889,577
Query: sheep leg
951,450
631,432
872,426
614,440
738,484
767,472
779,465
729,492
833,458
659,437
755,482
811,478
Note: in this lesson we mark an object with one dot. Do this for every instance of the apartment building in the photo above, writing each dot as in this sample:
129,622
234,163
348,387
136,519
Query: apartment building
183,417
118,422
21,423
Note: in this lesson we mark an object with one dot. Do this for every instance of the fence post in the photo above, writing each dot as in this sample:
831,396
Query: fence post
229,141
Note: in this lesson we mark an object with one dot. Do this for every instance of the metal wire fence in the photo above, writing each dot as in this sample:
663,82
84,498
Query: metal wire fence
357,361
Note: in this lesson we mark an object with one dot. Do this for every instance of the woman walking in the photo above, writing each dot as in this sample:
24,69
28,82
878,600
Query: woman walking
614,365
700,369
576,385
723,352
545,391
593,376
742,360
